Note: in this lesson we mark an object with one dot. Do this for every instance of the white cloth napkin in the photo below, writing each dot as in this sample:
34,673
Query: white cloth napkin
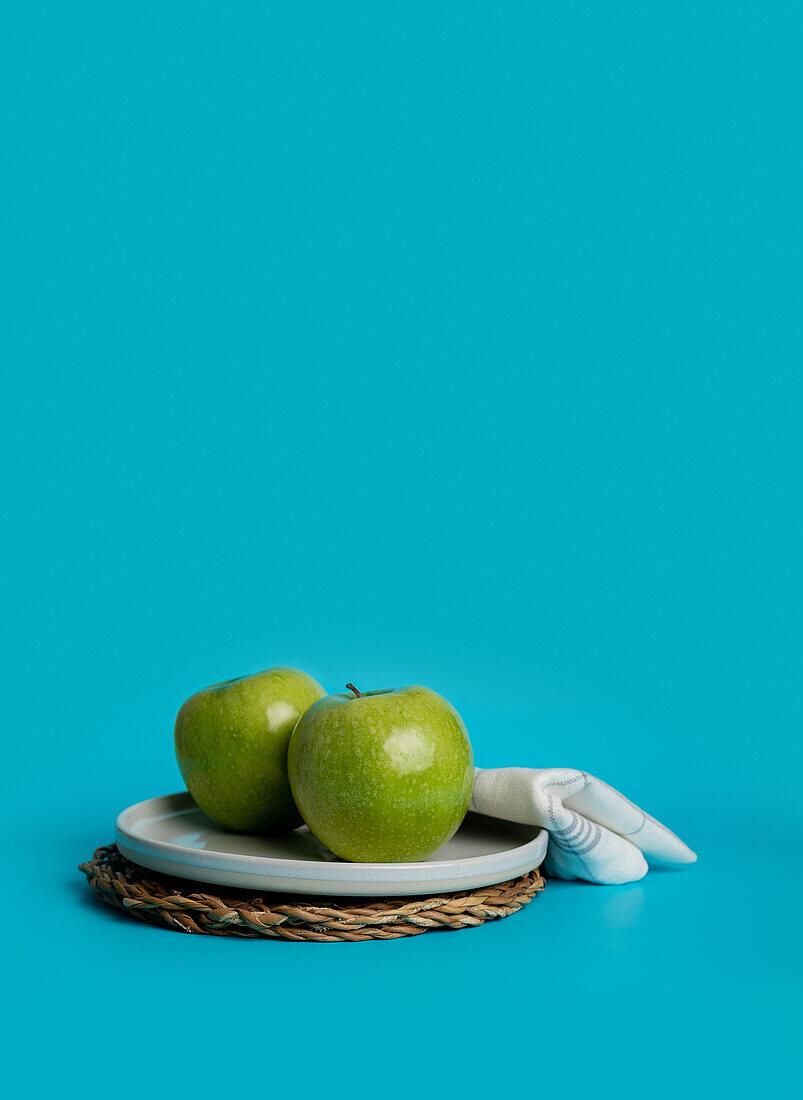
595,833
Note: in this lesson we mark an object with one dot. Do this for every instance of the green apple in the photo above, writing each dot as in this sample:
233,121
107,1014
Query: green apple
231,746
384,776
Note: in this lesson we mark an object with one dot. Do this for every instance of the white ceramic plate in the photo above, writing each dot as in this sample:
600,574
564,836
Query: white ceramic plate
172,835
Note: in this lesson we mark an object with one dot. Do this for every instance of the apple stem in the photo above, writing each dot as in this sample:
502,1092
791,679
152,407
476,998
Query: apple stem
351,687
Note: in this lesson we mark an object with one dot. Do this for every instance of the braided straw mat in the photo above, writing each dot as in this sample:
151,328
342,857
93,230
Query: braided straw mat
186,907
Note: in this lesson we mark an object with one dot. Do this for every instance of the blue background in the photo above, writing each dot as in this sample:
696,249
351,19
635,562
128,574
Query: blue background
445,344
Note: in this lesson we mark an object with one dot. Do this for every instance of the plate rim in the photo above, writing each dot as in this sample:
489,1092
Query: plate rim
324,871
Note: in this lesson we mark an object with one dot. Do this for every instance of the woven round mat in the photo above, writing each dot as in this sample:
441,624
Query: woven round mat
187,907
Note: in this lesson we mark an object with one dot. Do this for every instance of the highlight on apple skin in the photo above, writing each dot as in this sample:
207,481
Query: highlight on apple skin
231,746
382,776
